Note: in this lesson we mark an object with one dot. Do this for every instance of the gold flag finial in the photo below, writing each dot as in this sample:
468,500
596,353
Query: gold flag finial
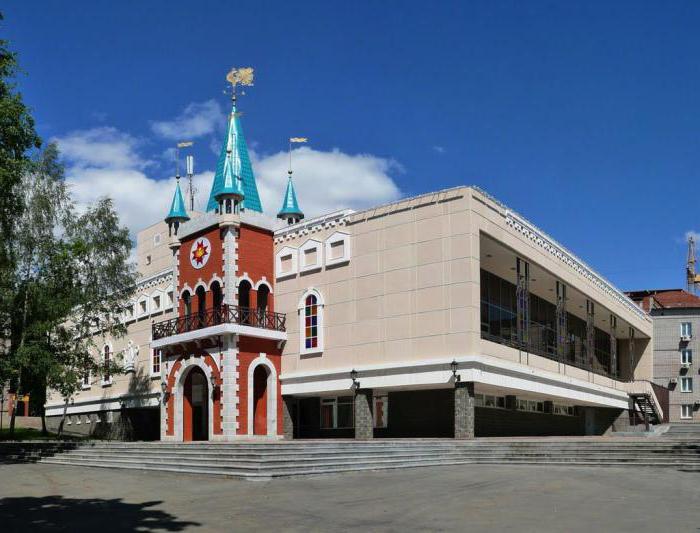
240,76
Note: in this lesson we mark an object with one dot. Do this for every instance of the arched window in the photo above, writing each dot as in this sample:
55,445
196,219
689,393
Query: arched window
106,377
218,298
201,305
246,316
311,322
187,301
263,294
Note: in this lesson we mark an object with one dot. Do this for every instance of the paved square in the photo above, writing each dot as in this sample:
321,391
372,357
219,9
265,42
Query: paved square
36,497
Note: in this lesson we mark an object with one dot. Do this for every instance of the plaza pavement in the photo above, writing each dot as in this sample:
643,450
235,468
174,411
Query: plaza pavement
39,497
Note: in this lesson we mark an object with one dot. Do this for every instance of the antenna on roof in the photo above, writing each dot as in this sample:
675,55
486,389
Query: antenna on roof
189,168
692,279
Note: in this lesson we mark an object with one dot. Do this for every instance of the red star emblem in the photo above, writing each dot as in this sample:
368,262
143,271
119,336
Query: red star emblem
199,253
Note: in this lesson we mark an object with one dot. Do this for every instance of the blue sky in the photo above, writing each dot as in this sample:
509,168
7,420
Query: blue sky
582,116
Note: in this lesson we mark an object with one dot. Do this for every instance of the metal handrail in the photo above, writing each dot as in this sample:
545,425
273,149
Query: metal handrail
223,314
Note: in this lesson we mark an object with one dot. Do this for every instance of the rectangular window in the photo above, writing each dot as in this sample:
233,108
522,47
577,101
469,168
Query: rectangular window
478,400
170,298
686,411
686,384
106,362
155,367
381,411
337,249
337,413
86,380
156,239
686,329
310,257
286,263
142,306
686,357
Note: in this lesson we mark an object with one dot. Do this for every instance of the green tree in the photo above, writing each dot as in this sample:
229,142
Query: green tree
102,280
17,140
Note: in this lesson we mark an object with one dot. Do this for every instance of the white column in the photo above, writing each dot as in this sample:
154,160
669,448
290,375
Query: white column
229,372
230,265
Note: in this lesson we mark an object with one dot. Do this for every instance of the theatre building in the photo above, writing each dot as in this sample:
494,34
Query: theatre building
442,315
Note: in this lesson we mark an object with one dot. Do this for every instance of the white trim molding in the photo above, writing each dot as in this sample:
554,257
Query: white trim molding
310,244
271,403
284,252
334,240
437,373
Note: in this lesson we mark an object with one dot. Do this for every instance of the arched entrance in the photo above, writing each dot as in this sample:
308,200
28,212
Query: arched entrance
195,406
260,400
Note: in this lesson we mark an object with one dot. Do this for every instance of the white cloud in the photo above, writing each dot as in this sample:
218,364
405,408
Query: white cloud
694,234
326,181
102,147
105,162
439,149
197,119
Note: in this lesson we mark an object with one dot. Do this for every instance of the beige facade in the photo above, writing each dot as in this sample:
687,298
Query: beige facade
406,302
153,300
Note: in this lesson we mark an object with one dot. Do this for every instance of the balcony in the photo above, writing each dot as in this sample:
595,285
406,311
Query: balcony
220,320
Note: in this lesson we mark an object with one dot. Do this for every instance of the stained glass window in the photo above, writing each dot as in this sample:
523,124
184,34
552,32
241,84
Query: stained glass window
311,322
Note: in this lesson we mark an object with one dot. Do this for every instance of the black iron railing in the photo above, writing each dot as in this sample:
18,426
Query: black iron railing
499,325
224,314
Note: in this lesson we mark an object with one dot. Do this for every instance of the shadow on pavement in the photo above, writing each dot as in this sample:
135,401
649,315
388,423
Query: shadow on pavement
83,514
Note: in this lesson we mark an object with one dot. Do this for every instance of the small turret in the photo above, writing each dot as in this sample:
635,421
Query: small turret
178,213
290,207
230,195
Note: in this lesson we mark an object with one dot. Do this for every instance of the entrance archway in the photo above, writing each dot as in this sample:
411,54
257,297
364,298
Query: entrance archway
195,406
260,400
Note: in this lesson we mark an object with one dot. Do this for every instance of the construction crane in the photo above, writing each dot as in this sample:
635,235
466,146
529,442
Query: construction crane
692,279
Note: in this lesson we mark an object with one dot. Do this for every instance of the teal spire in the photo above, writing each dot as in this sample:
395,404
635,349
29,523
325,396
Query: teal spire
177,207
290,206
233,171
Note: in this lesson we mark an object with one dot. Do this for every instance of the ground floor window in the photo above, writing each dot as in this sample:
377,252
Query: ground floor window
381,411
488,400
531,405
559,409
687,411
336,413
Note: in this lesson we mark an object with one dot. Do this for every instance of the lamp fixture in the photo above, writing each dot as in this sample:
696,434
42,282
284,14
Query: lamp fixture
454,366
163,387
212,380
355,381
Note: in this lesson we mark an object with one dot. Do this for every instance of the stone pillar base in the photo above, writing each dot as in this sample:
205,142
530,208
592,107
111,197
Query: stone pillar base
364,424
464,410
287,418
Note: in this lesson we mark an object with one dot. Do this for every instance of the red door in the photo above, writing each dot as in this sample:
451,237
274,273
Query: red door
260,401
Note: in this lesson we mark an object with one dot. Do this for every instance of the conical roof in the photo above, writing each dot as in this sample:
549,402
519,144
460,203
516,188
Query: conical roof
177,207
238,166
290,206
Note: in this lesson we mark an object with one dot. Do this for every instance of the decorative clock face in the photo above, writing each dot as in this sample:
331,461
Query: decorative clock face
200,252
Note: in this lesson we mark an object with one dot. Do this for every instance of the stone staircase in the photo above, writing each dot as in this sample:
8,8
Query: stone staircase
684,431
265,460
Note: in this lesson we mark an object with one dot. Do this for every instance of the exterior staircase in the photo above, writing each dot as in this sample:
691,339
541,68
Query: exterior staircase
265,460
684,431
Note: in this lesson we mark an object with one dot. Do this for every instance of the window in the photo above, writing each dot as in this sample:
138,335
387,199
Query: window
311,322
310,311
686,384
559,409
381,411
148,259
155,362
493,401
86,380
686,411
106,378
686,329
286,262
686,357
337,248
156,239
170,298
530,405
336,413
143,306
310,255
156,302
